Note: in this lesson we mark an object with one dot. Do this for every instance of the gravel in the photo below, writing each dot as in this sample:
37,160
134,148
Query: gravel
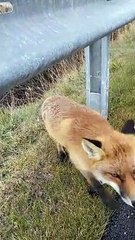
121,224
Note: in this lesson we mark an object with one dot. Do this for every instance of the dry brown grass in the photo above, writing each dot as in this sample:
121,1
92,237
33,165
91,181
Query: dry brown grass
35,87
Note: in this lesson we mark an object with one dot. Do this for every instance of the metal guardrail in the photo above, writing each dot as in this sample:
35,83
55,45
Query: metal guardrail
39,33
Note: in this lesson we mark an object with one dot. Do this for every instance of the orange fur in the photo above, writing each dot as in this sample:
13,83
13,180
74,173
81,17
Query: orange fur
68,123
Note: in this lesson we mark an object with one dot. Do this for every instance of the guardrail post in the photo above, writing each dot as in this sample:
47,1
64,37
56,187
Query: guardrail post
97,75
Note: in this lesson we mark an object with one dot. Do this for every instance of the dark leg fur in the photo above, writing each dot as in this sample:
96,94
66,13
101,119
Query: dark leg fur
97,189
62,154
92,192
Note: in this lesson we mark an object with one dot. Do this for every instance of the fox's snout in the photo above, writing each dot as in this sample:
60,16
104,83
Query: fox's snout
126,189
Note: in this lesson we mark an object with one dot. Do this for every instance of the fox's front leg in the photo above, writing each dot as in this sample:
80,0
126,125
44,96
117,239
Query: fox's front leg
105,196
92,191
62,153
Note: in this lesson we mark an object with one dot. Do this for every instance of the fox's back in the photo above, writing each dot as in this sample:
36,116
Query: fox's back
64,116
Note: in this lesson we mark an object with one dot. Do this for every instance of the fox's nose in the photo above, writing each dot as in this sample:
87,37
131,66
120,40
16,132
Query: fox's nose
133,203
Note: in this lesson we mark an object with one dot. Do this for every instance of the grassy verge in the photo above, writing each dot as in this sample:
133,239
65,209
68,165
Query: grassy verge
40,198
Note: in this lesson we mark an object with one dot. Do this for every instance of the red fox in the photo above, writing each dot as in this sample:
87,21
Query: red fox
94,147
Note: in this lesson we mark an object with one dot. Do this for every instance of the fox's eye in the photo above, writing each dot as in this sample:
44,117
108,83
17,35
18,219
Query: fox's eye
115,175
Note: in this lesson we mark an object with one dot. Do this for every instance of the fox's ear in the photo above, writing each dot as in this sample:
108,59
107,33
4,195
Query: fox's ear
93,148
129,127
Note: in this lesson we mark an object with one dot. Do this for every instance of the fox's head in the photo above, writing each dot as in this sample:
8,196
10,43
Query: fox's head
113,161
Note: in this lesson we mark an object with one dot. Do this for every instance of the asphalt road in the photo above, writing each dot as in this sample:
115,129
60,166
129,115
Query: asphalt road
121,225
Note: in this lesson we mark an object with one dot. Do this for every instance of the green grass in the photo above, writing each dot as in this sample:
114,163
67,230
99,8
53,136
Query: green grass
39,197
122,86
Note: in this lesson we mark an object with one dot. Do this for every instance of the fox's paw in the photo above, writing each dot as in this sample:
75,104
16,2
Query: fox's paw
92,192
62,154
